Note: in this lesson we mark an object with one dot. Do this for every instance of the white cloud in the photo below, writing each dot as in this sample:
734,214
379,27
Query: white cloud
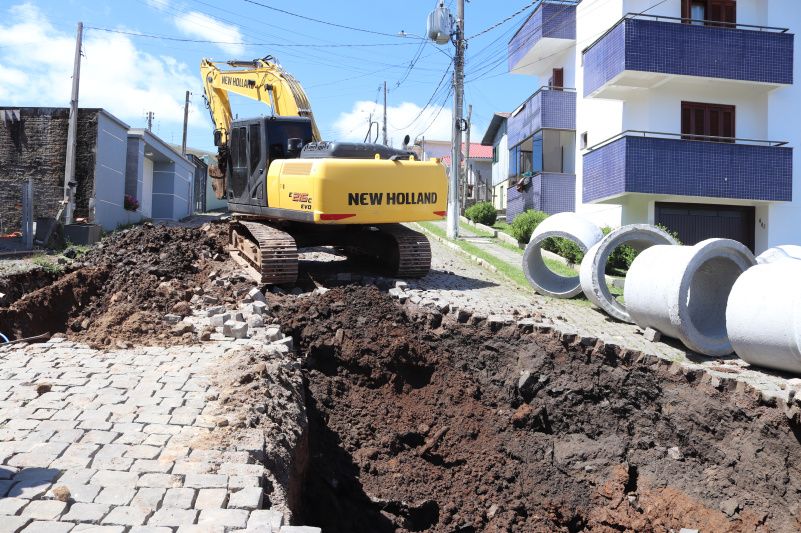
36,68
202,26
404,119
161,5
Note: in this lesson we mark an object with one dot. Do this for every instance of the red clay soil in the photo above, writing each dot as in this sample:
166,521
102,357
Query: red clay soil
414,429
132,279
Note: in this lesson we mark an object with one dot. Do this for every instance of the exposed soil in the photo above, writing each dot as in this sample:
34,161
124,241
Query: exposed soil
130,282
421,429
17,285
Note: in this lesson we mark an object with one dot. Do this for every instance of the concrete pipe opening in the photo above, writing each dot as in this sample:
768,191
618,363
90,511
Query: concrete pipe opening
763,318
593,267
682,291
571,226
785,252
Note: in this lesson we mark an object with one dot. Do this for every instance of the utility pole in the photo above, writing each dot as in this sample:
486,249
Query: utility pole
72,133
186,122
385,113
452,220
466,176
150,121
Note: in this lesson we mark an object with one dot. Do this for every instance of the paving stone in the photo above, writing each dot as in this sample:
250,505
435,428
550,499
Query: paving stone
41,526
114,478
228,518
205,481
193,467
159,480
148,498
180,498
44,509
29,489
151,466
170,516
117,495
299,529
12,506
86,512
92,528
265,517
112,463
250,498
5,486
127,516
206,528
143,452
150,529
12,524
211,498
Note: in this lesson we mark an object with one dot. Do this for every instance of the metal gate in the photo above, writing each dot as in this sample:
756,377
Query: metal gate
696,222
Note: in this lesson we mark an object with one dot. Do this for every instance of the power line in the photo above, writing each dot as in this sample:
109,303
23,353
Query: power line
504,21
186,40
327,23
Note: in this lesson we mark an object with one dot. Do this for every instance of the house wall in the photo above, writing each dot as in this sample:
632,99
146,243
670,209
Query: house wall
110,175
36,146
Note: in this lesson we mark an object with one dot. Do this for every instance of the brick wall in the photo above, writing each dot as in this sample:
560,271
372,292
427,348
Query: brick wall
36,146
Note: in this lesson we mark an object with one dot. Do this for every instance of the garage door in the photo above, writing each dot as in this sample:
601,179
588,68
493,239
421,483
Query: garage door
696,222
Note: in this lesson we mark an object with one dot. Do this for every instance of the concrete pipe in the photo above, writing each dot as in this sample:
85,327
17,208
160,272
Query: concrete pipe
780,253
566,225
682,291
593,267
763,317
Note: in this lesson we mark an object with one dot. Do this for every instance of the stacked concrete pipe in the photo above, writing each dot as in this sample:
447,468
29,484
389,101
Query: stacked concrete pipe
593,267
785,252
568,226
763,317
682,291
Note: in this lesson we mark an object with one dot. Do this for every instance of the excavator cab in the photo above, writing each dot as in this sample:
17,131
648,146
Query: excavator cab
253,145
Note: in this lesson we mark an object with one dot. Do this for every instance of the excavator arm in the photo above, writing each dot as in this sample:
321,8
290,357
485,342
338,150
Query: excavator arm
263,80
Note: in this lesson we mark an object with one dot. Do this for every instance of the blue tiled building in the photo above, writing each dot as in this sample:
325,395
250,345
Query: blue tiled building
684,112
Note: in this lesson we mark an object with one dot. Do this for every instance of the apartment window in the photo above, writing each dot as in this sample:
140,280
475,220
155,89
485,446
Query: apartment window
709,12
711,122
495,154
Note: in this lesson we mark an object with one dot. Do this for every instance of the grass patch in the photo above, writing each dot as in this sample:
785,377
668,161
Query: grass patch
47,264
472,229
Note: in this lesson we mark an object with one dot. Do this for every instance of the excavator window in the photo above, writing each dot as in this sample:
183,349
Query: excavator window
255,147
239,161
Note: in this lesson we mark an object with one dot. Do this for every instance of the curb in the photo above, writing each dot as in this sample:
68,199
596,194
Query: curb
458,248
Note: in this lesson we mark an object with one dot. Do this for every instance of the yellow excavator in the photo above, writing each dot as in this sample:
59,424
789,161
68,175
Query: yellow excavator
286,188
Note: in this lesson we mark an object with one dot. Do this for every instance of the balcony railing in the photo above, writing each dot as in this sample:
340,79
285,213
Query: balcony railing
641,51
549,107
675,165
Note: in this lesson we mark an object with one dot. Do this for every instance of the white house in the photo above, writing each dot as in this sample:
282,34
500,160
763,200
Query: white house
682,112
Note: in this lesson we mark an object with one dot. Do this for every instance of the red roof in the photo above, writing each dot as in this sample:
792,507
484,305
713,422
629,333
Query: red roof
477,151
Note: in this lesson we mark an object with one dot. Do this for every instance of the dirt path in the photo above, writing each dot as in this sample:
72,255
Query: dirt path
458,429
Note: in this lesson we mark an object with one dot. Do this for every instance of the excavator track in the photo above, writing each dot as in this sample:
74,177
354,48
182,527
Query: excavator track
413,251
268,254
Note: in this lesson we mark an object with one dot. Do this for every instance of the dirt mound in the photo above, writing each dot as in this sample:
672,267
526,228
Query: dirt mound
17,285
130,281
459,429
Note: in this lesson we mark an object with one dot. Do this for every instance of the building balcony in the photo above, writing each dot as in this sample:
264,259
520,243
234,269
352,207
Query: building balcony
644,51
549,107
550,29
551,192
672,165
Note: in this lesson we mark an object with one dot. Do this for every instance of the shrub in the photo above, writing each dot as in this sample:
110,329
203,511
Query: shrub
525,223
482,213
130,203
674,234
564,247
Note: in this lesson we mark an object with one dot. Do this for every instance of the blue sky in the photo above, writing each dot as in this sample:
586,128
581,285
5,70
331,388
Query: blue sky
132,74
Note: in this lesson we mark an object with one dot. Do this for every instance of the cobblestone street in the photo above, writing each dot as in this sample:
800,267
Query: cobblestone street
122,441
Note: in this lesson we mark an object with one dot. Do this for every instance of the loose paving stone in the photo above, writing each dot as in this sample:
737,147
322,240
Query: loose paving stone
92,528
29,489
44,509
205,481
12,524
148,498
12,506
150,529
159,480
179,498
86,512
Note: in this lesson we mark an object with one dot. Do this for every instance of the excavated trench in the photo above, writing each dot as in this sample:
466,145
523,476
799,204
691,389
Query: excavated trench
418,427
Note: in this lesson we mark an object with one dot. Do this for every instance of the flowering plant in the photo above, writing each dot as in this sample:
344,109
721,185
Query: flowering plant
130,203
